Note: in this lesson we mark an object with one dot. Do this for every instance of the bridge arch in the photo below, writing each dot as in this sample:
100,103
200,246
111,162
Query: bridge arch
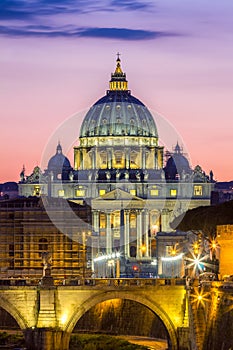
79,311
11,309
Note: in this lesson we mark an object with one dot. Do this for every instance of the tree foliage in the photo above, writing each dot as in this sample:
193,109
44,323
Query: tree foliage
205,218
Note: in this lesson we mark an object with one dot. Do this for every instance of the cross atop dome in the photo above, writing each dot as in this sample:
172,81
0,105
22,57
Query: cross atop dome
118,78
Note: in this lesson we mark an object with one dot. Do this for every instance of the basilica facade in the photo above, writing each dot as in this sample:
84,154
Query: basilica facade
120,171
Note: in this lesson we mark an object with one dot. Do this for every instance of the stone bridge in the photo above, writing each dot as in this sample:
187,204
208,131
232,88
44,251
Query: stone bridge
197,317
47,315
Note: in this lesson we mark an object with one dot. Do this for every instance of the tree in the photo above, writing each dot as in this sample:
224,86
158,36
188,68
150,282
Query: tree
205,219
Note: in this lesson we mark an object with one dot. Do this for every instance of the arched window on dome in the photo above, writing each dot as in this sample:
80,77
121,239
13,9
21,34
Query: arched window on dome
132,127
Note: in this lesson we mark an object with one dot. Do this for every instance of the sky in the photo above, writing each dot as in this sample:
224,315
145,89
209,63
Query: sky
57,56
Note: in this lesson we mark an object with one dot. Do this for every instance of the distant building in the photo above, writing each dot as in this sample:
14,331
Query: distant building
8,190
223,192
119,171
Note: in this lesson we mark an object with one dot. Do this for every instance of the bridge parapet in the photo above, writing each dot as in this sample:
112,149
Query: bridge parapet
122,282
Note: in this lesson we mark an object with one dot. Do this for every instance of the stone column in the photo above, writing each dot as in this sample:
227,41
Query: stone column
156,159
81,159
122,228
139,233
96,221
126,234
146,227
143,157
127,158
93,160
108,234
109,158
77,160
165,220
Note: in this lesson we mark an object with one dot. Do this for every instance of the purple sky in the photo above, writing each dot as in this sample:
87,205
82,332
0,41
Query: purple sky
57,56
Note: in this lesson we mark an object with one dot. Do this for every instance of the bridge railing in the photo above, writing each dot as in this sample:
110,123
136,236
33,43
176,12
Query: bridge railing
20,282
117,282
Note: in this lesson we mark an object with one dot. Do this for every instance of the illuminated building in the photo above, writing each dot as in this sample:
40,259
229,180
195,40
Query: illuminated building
119,170
26,231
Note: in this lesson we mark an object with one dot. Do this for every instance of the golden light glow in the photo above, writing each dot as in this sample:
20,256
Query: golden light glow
64,318
173,250
199,297
143,248
196,247
213,244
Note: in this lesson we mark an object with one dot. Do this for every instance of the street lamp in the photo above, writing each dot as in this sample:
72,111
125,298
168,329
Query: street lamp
196,247
173,253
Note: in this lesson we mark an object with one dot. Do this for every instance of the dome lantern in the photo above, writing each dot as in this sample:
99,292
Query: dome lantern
118,78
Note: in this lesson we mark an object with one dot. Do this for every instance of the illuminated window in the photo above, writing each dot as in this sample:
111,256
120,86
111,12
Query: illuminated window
61,193
102,192
197,190
154,192
37,191
173,192
80,193
133,192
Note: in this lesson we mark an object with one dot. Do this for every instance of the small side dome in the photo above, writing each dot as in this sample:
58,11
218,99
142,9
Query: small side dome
9,186
9,190
177,165
59,165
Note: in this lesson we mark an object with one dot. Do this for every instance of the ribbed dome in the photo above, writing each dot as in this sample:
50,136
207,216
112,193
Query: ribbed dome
176,164
118,113
58,162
